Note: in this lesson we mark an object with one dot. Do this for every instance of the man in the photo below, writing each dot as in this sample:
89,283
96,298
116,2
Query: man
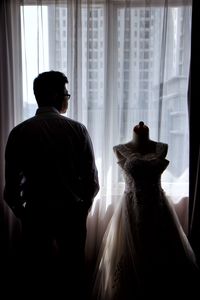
50,182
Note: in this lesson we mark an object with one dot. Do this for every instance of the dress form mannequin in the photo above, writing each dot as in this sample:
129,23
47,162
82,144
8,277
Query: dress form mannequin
141,143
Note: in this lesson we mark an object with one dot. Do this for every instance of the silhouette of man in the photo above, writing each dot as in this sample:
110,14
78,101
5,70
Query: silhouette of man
50,182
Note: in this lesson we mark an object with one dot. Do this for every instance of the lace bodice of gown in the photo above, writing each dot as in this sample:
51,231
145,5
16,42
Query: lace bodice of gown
142,172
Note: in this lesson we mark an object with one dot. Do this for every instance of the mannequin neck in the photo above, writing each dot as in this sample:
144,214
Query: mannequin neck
140,139
142,144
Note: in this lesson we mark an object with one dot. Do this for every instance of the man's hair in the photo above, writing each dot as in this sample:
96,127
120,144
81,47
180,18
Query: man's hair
48,88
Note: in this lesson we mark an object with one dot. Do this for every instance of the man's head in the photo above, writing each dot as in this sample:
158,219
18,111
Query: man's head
49,90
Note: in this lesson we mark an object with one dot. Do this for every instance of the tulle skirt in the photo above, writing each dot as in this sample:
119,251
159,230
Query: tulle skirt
145,254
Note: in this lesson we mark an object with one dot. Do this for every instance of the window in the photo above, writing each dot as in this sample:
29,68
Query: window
121,80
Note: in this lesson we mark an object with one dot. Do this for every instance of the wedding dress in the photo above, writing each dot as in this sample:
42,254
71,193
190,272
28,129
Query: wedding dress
145,253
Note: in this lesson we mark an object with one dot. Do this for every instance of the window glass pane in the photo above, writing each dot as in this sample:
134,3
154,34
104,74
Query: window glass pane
137,77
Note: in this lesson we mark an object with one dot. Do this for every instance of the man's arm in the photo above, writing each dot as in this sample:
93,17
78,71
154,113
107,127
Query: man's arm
13,176
89,177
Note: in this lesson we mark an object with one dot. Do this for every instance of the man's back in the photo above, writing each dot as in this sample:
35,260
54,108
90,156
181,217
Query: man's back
54,155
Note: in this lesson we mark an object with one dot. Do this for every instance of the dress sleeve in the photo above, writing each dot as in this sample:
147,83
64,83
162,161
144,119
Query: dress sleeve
121,158
162,149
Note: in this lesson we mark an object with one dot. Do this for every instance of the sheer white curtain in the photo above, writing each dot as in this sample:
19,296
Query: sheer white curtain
11,104
126,61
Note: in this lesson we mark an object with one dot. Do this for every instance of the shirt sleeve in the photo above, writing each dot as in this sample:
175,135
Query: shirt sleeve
13,175
89,172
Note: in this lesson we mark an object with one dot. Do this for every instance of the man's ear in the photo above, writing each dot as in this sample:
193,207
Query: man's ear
55,96
64,106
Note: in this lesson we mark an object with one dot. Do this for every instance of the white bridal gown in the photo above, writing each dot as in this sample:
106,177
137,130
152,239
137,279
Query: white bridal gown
145,253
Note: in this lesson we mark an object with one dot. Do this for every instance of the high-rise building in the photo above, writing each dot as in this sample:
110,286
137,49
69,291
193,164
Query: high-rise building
151,62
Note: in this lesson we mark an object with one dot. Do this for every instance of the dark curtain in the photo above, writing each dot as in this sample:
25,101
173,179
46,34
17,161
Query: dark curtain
194,128
10,94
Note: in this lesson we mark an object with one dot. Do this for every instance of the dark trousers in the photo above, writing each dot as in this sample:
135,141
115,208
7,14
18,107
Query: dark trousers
52,258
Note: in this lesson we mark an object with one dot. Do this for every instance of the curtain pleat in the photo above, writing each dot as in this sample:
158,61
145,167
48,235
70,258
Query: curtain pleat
11,107
193,92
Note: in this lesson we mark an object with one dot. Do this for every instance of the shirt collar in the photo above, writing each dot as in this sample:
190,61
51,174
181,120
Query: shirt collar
46,109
